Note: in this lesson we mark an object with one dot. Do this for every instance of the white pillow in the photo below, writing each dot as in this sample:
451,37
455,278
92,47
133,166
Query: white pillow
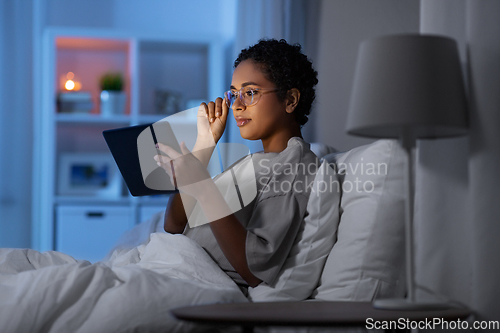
139,234
367,260
320,149
300,273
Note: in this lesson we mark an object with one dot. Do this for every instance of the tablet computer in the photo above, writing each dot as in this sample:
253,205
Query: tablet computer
133,149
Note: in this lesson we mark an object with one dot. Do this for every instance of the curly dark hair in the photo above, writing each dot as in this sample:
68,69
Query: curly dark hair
287,67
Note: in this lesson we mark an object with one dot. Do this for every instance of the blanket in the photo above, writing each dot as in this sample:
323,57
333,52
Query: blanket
133,290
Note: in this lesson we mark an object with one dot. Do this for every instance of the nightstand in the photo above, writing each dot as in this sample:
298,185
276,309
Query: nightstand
308,314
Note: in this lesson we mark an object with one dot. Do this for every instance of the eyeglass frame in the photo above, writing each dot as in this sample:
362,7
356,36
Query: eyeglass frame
262,91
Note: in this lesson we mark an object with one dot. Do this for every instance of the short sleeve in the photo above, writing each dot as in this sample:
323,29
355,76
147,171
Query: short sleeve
272,229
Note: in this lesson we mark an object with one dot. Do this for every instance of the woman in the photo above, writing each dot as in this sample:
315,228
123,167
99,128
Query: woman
271,94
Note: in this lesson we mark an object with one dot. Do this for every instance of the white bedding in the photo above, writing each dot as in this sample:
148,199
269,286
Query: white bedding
131,291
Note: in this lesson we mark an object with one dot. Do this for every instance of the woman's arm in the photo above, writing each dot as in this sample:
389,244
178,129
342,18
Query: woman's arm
180,206
211,122
175,215
228,231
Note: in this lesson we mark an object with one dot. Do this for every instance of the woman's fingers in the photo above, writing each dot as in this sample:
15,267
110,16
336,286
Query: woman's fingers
214,110
218,107
166,164
203,110
171,152
225,112
162,161
211,112
215,114
184,149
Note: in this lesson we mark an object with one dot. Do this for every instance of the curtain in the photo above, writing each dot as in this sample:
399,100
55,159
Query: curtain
442,213
483,36
457,207
3,21
293,20
16,139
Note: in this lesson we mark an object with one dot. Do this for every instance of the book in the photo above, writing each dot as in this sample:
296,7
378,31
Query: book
75,101
74,96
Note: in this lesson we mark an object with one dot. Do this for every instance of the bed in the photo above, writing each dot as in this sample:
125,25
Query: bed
349,249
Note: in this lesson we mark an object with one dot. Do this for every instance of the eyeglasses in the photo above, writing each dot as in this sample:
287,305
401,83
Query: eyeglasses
248,96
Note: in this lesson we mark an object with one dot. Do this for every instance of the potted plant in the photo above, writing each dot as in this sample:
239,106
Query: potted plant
113,97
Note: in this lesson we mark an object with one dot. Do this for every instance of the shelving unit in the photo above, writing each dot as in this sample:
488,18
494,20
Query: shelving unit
189,65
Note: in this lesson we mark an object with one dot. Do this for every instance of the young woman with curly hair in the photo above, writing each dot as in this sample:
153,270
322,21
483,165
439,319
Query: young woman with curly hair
271,94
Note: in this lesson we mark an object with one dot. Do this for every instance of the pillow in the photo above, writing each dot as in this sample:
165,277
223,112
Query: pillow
139,234
367,261
300,273
320,149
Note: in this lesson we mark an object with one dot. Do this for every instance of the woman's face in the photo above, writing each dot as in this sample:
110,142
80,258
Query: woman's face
266,119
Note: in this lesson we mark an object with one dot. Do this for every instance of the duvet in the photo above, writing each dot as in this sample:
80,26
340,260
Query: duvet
132,290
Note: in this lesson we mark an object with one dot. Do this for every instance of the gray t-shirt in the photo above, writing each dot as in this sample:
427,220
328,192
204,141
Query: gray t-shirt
274,217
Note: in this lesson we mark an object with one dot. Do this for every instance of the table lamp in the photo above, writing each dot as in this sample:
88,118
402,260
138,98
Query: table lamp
408,87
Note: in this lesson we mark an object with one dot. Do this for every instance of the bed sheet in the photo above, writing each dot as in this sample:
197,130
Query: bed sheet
132,290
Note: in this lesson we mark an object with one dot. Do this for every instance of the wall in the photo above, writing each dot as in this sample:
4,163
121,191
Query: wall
343,25
170,16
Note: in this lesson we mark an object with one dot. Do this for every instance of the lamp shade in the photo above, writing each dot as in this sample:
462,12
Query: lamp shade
408,83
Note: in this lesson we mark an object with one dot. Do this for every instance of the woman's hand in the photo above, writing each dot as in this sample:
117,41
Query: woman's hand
186,172
212,119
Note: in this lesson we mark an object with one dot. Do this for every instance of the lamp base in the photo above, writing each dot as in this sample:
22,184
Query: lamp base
407,305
